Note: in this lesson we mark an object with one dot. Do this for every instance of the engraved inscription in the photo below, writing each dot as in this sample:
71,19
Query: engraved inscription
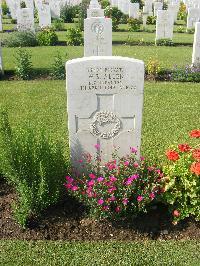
103,118
106,78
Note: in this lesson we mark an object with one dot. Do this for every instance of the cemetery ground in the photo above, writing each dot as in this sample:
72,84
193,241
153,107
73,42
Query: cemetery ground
170,111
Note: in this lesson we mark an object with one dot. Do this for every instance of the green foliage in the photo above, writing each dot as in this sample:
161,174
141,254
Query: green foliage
13,21
74,37
22,4
35,165
68,13
134,24
58,67
104,3
5,9
21,39
164,42
82,14
58,25
115,14
153,68
23,66
190,31
187,74
47,37
183,183
151,20
182,14
180,29
119,188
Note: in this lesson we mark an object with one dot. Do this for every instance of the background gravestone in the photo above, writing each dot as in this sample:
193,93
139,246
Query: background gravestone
164,25
25,19
97,36
44,14
1,62
95,10
105,102
196,46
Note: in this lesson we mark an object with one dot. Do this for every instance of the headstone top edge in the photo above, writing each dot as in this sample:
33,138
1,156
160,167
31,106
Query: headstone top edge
103,59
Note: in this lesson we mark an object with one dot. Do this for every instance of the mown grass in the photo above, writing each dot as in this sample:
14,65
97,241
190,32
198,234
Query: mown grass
102,253
170,111
42,57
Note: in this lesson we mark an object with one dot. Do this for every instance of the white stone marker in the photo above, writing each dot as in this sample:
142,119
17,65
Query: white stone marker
1,62
1,24
25,19
95,9
104,103
44,14
193,17
196,45
97,36
144,16
55,8
164,25
157,6
134,9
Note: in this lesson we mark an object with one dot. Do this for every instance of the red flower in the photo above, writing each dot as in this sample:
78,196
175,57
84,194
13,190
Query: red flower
195,133
196,154
184,147
176,213
172,155
195,168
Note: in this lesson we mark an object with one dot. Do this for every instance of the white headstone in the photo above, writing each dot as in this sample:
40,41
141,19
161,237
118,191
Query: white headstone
173,10
157,6
164,25
1,24
97,36
44,14
125,7
94,10
145,15
55,8
105,102
1,62
196,45
134,9
193,17
25,19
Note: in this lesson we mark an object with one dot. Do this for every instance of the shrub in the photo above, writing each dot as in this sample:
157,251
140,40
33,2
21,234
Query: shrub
5,9
34,165
104,3
68,13
151,20
82,13
21,39
190,31
183,180
22,4
74,37
122,187
153,68
133,24
23,67
181,29
132,41
115,14
187,74
13,21
47,37
58,67
164,42
182,14
58,24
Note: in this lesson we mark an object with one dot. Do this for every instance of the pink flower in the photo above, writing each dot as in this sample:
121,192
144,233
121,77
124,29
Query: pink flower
126,163
91,183
112,189
100,179
105,208
69,179
111,165
142,158
100,201
92,176
80,161
152,195
150,169
108,184
133,150
68,186
74,188
125,201
117,209
135,165
97,146
113,178
112,198
140,198
130,179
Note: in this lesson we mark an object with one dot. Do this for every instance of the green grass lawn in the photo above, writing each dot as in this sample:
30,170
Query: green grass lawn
170,110
17,253
42,57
